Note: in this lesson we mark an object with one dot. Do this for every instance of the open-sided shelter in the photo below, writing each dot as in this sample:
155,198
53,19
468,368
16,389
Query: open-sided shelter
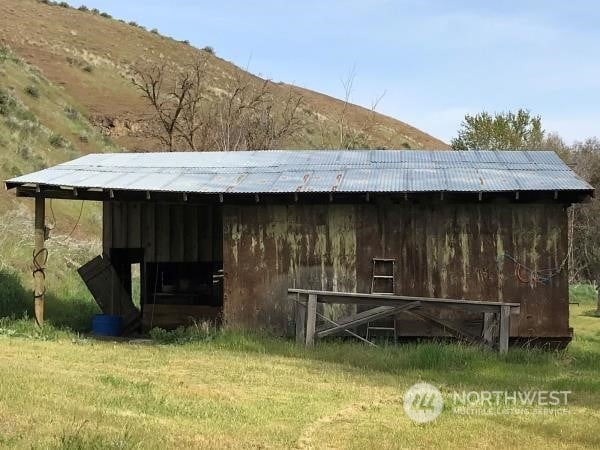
224,235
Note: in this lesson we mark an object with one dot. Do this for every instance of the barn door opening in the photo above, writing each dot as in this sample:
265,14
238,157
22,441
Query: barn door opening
184,285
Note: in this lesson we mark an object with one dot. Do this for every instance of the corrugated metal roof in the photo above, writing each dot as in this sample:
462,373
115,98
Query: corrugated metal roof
280,171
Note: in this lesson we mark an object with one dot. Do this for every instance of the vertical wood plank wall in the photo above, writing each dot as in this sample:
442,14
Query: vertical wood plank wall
166,232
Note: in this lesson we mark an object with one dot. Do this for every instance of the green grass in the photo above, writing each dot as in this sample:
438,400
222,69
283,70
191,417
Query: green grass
233,389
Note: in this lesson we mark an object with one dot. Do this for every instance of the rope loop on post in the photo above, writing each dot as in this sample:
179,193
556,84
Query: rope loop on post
40,267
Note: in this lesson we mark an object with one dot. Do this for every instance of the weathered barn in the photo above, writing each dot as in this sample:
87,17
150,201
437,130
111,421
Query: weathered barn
224,235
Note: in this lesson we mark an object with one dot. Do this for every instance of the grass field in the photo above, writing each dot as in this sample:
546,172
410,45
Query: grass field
61,390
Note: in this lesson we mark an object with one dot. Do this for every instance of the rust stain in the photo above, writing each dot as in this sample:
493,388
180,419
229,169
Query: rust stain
450,250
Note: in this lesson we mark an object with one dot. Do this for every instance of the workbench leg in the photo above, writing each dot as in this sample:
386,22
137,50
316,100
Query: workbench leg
504,328
311,319
300,322
490,327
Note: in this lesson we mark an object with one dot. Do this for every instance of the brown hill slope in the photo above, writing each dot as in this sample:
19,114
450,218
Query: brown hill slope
89,56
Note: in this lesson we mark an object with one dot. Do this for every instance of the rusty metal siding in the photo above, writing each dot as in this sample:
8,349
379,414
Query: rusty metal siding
268,248
442,250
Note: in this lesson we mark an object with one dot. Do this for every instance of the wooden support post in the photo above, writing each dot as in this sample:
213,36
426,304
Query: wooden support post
300,321
39,259
311,319
504,328
490,328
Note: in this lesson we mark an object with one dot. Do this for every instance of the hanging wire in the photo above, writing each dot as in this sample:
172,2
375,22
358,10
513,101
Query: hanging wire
53,225
76,222
531,276
542,276
50,228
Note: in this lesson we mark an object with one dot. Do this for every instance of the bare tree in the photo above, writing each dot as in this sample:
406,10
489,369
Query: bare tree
191,125
356,135
172,98
347,84
248,114
270,125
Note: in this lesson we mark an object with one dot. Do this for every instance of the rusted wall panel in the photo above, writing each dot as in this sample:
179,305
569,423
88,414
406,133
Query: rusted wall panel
442,250
268,248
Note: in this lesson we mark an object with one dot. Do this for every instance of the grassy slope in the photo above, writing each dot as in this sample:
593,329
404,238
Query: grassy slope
241,391
39,129
62,41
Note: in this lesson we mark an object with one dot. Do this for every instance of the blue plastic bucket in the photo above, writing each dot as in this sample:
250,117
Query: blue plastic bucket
106,325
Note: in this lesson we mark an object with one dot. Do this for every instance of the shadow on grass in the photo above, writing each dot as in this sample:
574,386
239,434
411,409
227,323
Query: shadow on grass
15,300
72,312
71,307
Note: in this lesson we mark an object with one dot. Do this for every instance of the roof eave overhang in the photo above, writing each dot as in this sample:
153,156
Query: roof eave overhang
107,194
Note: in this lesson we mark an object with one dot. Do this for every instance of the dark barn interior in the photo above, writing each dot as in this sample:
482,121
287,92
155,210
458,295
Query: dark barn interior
223,236
179,248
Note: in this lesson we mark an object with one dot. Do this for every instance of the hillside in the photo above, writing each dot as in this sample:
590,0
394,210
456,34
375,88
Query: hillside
65,90
89,55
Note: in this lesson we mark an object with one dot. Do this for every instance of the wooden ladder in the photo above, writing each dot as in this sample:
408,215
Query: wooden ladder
383,281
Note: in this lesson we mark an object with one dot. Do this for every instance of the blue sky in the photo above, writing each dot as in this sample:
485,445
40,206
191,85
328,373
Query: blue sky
435,60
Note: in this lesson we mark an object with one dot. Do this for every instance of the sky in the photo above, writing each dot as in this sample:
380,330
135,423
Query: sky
434,61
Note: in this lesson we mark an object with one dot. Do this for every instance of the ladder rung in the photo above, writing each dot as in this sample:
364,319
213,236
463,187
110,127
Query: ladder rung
386,277
383,293
383,260
382,328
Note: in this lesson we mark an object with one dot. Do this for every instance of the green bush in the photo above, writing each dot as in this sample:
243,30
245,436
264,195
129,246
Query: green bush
32,91
88,68
64,5
7,103
133,24
154,30
199,332
106,15
96,11
56,140
186,42
7,55
25,152
71,113
83,8
584,294
15,301
209,49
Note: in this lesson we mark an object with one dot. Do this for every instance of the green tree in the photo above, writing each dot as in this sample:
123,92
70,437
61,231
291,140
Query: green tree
584,158
500,131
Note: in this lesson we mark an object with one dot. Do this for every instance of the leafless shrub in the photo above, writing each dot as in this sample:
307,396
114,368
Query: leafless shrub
247,115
